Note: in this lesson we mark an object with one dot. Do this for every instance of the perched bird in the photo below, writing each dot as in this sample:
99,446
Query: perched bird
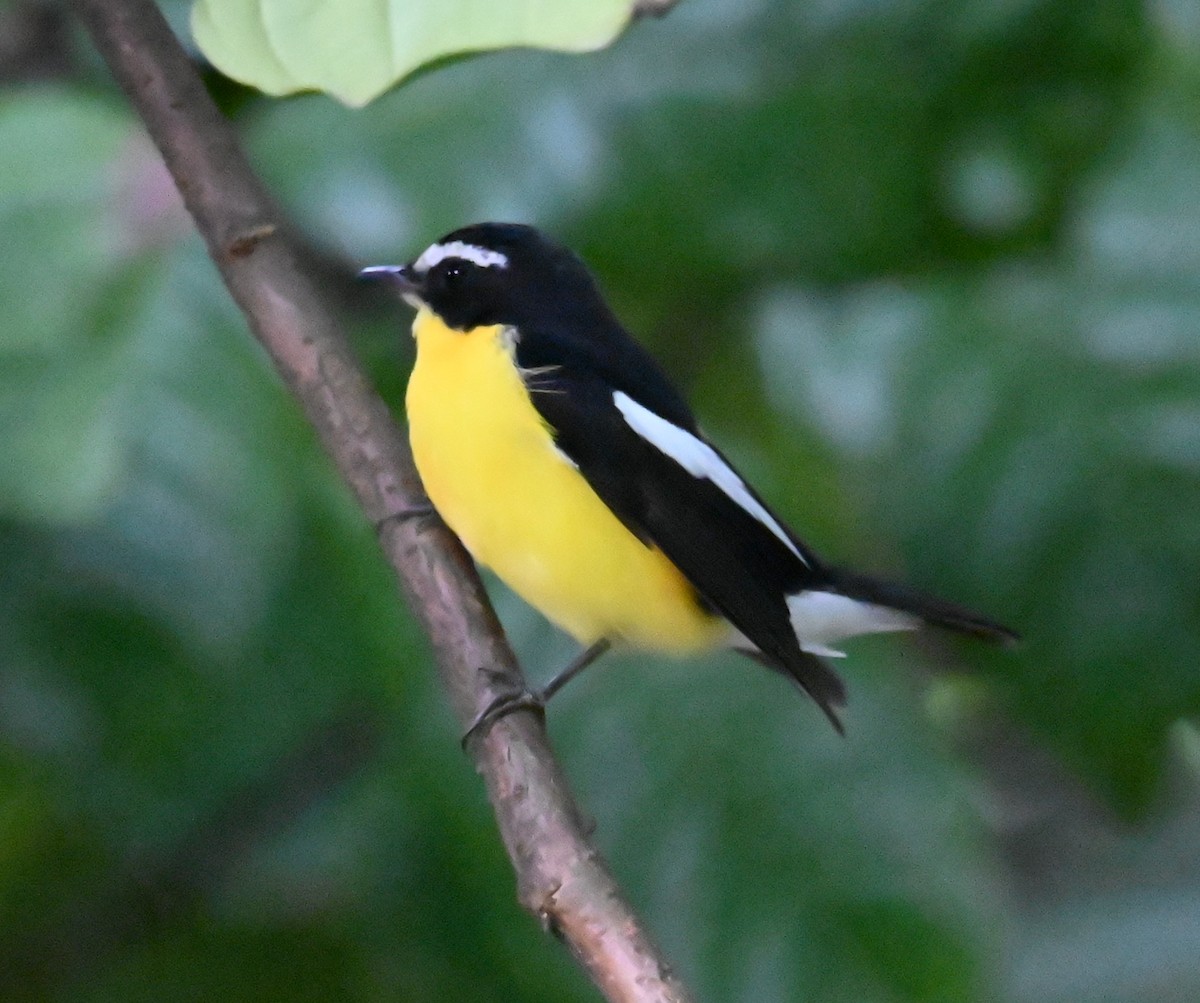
557,450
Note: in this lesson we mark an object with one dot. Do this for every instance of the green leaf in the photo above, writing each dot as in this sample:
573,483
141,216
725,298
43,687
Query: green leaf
63,160
357,49
234,37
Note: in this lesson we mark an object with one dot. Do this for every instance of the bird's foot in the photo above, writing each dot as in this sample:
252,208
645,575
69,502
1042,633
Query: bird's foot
502,706
534,700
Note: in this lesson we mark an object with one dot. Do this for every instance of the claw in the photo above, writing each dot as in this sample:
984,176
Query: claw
502,706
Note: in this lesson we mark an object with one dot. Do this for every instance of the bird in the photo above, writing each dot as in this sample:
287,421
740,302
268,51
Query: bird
558,451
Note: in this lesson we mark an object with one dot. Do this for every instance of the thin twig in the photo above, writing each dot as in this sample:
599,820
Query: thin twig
560,875
653,8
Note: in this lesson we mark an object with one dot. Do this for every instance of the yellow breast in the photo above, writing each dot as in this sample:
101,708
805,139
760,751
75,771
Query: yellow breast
490,466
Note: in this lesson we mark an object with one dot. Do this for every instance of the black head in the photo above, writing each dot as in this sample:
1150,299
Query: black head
496,273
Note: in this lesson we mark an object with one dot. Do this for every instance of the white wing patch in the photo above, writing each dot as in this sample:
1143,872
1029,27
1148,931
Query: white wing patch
699,459
482,256
823,618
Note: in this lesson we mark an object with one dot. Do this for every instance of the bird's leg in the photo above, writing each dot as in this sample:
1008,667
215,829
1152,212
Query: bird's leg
574,667
537,699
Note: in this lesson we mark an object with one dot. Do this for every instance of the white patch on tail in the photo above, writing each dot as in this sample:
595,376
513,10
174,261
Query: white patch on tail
823,618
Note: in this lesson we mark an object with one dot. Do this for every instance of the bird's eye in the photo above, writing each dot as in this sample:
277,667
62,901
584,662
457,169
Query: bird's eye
452,275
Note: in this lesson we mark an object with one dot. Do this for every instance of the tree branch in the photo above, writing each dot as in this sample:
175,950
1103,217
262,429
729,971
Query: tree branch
560,875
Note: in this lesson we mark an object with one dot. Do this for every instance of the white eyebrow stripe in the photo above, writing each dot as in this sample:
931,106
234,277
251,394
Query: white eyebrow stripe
482,256
699,459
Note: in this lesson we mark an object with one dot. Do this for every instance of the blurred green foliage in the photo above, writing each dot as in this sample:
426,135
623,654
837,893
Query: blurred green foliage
930,272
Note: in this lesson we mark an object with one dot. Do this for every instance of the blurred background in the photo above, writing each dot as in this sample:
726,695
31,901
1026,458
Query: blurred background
929,271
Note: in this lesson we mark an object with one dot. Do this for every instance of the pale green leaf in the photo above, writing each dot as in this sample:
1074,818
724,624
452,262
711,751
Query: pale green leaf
61,158
234,37
357,49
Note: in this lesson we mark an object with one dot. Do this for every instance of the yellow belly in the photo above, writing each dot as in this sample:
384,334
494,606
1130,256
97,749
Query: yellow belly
490,467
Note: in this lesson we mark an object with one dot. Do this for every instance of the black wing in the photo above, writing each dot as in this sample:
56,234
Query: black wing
736,563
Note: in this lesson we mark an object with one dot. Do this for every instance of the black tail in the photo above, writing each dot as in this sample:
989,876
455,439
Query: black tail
934,611
820,682
813,677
